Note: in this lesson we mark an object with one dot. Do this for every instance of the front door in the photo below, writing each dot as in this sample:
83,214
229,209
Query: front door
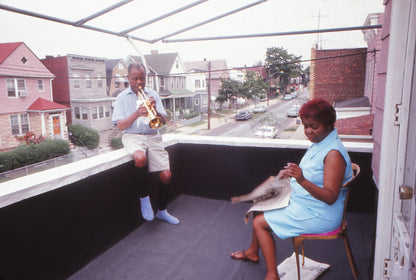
56,127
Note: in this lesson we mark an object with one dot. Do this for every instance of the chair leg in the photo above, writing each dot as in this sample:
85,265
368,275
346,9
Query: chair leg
303,253
350,257
296,243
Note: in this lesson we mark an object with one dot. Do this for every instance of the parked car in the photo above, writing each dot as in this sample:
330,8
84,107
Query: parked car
293,111
260,108
267,132
243,115
287,97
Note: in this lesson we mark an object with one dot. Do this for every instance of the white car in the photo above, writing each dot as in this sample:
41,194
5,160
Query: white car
267,132
260,108
292,112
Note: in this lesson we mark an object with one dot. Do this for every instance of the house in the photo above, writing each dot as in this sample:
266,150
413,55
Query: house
167,75
373,40
338,74
196,82
214,71
26,103
80,84
116,76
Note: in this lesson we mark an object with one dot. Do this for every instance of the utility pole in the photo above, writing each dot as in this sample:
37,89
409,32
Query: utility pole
209,95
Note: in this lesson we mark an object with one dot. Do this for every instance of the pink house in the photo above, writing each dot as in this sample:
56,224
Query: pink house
26,102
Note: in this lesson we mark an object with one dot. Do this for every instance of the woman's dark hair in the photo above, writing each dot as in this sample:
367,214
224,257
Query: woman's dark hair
319,110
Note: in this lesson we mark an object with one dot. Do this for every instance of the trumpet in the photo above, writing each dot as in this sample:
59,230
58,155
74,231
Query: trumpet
154,120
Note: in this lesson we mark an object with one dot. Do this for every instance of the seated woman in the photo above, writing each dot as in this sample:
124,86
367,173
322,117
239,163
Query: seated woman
317,199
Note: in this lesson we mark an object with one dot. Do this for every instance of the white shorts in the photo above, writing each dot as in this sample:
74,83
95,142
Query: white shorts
157,156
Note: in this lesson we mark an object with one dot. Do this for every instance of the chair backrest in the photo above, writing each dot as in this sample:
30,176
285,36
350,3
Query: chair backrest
355,172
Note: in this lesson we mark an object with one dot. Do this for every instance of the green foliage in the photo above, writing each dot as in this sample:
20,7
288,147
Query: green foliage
84,136
229,89
190,115
282,65
30,154
116,143
252,87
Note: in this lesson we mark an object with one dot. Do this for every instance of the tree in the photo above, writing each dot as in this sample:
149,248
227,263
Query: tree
230,90
306,75
282,65
254,85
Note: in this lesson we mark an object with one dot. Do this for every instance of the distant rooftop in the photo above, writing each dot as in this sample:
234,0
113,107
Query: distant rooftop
355,102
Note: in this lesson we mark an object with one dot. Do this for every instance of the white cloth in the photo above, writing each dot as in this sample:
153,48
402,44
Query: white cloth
310,271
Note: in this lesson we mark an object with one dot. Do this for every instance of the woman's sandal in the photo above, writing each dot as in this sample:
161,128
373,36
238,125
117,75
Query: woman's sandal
243,258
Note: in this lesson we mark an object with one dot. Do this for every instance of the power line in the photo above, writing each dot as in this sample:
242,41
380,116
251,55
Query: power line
209,71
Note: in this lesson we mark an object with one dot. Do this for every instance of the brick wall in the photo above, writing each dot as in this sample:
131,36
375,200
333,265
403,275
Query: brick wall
338,74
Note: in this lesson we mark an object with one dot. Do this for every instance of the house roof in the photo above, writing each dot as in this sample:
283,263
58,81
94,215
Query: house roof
354,102
42,104
7,49
160,63
111,63
218,67
360,125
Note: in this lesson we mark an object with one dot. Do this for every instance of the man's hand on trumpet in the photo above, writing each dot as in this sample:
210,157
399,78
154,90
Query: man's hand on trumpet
141,108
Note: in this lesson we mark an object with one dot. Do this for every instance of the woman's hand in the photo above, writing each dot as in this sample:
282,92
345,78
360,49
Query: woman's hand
292,170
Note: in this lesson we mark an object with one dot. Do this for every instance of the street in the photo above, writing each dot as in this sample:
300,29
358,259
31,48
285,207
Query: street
274,116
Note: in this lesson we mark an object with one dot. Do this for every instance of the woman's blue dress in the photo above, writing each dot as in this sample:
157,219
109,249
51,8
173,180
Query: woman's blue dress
306,214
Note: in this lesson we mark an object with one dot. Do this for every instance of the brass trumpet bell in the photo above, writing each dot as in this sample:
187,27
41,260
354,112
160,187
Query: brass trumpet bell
154,120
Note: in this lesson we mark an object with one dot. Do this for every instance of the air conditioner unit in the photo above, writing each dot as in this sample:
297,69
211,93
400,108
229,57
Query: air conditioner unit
22,93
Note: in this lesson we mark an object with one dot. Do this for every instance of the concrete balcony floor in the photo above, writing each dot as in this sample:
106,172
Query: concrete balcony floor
199,247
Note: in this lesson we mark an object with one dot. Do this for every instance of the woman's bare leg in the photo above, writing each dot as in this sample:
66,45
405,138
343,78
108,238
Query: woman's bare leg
265,240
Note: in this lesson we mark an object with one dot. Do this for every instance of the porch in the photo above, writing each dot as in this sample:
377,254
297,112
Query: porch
82,221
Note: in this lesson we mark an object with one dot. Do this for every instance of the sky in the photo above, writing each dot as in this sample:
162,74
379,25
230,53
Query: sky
272,16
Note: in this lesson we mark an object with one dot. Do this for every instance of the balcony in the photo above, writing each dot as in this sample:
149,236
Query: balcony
81,220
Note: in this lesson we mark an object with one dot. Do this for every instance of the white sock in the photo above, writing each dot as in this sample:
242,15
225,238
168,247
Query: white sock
146,207
165,216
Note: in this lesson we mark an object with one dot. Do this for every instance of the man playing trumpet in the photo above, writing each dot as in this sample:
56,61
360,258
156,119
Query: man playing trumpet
142,140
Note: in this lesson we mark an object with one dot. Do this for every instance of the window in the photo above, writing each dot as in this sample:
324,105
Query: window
94,113
81,113
24,119
76,80
19,124
77,113
107,111
196,101
101,112
11,89
197,84
99,81
40,84
84,113
88,81
14,123
13,84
